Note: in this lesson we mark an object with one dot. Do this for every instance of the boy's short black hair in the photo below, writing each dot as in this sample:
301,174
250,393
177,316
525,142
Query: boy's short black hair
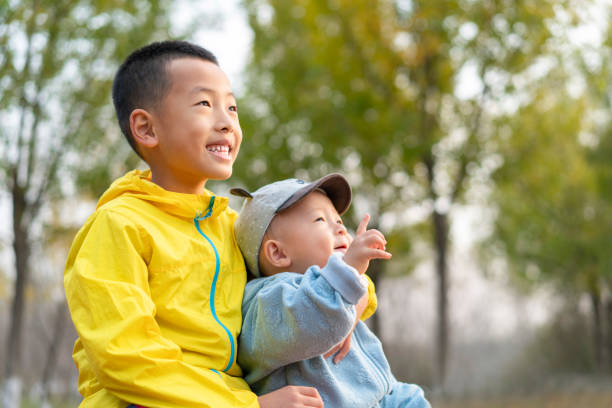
142,80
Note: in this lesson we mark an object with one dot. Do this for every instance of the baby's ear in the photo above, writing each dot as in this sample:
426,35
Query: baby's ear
275,255
141,125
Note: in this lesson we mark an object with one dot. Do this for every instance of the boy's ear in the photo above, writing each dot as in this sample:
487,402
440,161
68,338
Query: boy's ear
275,254
141,125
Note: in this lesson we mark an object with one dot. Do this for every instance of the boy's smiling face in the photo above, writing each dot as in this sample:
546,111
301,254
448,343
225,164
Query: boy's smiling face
195,127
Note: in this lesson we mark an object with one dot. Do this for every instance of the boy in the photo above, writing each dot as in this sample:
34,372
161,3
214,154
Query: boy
154,279
304,302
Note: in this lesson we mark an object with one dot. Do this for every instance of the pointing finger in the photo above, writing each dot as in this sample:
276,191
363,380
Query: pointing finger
363,224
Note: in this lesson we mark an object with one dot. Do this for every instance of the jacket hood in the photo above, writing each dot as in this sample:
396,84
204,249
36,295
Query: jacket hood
138,184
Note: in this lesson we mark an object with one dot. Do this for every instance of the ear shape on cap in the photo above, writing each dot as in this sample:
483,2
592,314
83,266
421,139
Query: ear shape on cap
274,254
240,192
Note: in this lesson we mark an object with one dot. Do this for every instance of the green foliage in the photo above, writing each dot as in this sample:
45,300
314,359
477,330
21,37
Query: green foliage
553,191
545,193
57,62
377,90
371,88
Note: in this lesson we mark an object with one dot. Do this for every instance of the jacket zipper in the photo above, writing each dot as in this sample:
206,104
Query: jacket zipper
381,375
213,287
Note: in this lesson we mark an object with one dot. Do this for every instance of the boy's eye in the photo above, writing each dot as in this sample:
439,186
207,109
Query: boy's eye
319,219
204,103
339,222
233,108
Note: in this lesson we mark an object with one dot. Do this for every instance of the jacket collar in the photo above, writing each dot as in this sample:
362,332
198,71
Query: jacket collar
138,184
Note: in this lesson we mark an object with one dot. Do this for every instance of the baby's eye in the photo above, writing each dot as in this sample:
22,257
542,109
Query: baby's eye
319,219
204,103
233,108
339,222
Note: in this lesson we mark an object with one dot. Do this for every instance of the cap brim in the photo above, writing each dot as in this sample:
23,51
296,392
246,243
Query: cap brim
334,185
240,192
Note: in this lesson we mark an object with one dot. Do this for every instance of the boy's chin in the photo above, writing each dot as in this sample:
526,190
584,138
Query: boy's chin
221,176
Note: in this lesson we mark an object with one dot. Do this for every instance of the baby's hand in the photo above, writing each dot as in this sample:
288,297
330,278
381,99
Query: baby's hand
367,245
291,396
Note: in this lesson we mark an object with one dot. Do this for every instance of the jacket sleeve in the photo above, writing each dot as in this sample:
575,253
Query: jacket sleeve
372,301
106,282
291,317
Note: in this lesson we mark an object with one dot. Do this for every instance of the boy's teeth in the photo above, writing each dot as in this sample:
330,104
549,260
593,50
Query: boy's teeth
220,150
223,148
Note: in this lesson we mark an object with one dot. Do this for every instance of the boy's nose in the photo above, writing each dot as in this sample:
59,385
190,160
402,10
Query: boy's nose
341,229
224,123
225,127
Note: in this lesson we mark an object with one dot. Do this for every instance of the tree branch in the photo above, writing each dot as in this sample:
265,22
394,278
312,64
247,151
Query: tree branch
24,104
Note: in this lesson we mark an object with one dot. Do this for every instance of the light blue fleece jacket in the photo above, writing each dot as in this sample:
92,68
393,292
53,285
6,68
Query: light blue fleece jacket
290,320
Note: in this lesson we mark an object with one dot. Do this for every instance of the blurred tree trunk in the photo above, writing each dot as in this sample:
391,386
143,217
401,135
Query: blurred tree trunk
608,332
19,180
601,327
57,333
440,224
21,248
597,328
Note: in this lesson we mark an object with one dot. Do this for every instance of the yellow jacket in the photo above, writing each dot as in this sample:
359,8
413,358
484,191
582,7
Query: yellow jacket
155,296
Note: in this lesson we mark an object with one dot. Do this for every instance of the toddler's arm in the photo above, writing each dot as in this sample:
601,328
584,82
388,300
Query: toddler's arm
291,317
340,350
368,244
372,298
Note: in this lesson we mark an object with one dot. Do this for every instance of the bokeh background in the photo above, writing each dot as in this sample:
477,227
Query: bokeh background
477,133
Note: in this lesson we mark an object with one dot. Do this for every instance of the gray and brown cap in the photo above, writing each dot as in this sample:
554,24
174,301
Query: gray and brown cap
261,206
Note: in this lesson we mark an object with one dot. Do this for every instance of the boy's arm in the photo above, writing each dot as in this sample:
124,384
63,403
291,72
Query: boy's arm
372,300
106,283
292,317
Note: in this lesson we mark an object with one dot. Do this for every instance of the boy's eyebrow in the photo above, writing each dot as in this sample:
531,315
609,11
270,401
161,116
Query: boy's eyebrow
200,89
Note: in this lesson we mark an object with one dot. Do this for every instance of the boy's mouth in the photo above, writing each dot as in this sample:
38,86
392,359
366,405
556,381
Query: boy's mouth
222,151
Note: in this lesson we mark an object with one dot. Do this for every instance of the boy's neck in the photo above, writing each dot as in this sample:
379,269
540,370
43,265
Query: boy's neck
169,183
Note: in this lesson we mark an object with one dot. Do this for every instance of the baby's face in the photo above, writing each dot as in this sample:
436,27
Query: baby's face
310,232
